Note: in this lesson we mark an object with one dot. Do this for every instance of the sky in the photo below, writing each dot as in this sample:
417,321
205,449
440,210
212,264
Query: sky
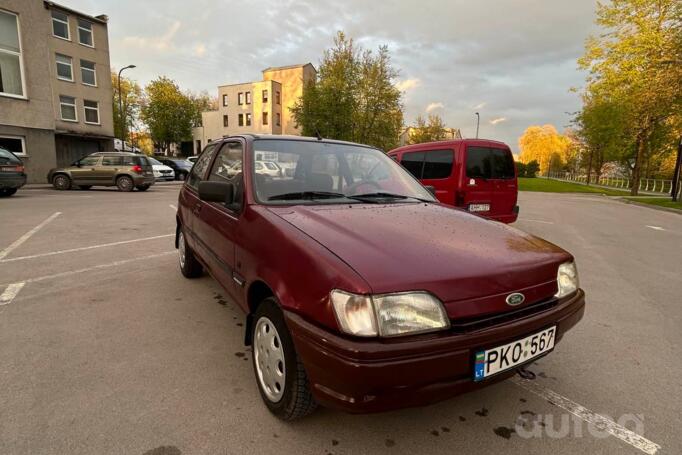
514,62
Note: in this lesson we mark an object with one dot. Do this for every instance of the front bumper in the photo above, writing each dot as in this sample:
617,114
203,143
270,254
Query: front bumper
362,376
12,179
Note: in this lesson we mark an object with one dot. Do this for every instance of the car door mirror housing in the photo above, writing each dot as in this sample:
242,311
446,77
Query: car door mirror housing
220,192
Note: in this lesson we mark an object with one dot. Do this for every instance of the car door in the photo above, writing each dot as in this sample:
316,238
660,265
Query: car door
505,190
108,169
188,202
437,172
216,224
477,182
86,170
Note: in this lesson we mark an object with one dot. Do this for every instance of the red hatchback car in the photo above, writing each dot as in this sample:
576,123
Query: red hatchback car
477,175
361,291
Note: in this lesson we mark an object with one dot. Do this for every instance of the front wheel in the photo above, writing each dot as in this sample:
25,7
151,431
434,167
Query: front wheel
125,183
61,182
189,265
182,176
281,378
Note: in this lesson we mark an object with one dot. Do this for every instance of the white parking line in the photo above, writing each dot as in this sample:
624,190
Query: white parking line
172,206
84,248
89,269
655,228
10,293
635,440
17,243
536,221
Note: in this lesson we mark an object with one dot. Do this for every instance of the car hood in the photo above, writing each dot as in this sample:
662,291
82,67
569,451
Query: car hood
455,255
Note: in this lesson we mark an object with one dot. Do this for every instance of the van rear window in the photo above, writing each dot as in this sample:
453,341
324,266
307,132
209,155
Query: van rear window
489,163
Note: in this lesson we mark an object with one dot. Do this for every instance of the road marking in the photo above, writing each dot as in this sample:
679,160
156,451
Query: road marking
537,221
656,228
10,293
92,247
27,236
172,206
96,267
635,440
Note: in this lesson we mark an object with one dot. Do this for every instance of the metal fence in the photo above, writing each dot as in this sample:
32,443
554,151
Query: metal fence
656,186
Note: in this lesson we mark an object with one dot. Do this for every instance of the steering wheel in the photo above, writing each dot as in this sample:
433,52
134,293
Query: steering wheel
352,189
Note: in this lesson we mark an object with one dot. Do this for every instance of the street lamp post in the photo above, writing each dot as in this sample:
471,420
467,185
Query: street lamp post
478,121
676,175
122,116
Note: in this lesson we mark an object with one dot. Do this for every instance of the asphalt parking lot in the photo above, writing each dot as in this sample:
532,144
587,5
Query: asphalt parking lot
106,349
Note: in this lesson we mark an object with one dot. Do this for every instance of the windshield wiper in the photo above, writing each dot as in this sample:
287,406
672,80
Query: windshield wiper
306,195
373,197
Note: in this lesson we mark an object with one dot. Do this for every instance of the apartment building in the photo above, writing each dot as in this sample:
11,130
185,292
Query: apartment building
55,84
262,107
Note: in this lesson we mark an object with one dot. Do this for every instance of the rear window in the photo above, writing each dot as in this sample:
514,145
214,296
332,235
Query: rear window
429,164
489,163
7,156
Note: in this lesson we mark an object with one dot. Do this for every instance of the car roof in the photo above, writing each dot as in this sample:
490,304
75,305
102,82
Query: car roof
451,143
116,154
290,137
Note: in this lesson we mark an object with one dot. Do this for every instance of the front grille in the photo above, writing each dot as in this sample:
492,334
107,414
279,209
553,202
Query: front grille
473,324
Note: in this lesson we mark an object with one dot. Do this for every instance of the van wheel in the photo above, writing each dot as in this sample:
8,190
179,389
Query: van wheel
61,182
142,187
124,183
189,266
281,378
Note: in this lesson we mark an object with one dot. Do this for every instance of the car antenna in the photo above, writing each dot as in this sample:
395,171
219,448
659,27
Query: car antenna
318,135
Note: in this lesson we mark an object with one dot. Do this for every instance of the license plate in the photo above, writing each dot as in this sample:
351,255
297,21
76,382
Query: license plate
505,357
479,207
9,169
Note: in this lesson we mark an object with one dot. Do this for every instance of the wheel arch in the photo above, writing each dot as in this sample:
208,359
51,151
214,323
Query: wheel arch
258,291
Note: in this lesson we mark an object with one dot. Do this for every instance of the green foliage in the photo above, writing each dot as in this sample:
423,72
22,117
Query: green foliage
168,113
532,169
132,98
428,131
353,98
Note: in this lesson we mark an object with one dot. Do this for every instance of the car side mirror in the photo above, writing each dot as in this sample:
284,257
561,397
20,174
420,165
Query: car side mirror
78,164
431,189
220,192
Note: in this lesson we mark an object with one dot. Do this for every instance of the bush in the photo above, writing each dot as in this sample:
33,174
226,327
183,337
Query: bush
532,169
521,169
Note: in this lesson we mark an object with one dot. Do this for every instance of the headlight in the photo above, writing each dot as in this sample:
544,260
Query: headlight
567,279
389,314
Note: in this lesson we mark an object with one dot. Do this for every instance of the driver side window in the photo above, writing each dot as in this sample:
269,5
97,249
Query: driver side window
227,168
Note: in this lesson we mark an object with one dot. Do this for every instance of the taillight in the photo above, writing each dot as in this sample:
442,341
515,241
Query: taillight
137,169
20,168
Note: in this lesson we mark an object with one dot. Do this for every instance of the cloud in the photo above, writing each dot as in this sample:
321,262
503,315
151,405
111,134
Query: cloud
200,50
407,84
497,120
434,106
480,105
159,43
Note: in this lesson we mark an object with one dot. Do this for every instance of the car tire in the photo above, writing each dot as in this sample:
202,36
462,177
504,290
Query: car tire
125,183
189,265
280,375
6,192
61,182
142,187
84,187
182,176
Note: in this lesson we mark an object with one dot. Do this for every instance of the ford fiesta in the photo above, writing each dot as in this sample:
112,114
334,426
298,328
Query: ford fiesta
361,291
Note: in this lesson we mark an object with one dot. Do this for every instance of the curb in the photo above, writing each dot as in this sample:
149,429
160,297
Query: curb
649,206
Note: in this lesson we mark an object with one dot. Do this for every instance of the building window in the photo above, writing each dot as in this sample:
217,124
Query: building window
91,109
248,119
241,119
278,116
224,100
88,73
240,98
64,68
278,98
60,25
67,108
265,96
225,121
11,65
248,97
265,118
85,33
15,144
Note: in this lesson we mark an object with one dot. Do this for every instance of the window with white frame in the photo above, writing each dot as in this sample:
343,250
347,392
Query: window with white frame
60,25
64,67
67,108
85,33
91,109
88,73
11,64
248,119
240,98
248,97
15,144
224,100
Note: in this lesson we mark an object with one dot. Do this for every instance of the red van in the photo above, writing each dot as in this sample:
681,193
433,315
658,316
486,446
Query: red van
477,175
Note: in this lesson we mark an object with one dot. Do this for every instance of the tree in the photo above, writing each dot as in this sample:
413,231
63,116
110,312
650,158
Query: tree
168,113
532,169
541,143
202,102
636,65
353,98
423,131
132,98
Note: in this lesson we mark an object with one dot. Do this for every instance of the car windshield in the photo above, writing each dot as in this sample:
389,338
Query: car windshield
154,161
335,173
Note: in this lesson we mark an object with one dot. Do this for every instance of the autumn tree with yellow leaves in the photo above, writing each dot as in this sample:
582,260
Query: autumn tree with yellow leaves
545,145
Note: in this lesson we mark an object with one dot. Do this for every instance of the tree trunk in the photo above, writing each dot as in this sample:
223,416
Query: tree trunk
639,160
589,167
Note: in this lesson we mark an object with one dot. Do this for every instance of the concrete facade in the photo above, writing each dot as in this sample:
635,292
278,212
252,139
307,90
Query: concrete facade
31,123
269,114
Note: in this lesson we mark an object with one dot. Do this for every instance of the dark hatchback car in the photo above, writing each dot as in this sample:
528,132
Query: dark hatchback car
12,175
181,166
361,291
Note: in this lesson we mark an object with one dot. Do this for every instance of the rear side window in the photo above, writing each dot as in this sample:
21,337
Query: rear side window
414,163
112,161
489,163
200,166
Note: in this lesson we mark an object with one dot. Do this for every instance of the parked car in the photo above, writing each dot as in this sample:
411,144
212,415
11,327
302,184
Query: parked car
12,175
192,159
180,165
368,294
269,168
161,171
121,169
474,174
